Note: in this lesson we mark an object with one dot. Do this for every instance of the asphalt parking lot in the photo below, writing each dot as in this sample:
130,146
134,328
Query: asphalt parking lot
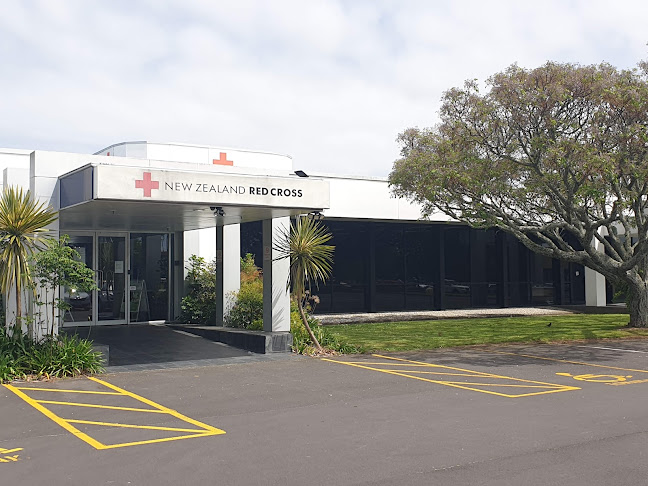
503,415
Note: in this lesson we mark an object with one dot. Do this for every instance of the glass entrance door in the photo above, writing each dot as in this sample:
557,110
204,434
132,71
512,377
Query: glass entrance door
149,277
111,279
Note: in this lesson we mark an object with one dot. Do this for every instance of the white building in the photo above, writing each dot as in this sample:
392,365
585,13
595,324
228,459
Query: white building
136,211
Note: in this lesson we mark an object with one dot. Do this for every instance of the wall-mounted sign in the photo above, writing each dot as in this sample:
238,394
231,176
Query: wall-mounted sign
129,183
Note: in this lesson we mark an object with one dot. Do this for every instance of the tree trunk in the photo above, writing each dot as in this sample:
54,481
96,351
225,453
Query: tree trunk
637,302
307,326
18,324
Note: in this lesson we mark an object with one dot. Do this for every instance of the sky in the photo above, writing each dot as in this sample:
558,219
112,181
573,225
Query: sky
330,83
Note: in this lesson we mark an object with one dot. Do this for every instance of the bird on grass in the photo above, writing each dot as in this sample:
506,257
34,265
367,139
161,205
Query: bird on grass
549,325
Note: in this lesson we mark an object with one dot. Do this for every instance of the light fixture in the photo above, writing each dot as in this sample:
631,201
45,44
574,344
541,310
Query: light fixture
315,216
301,173
218,211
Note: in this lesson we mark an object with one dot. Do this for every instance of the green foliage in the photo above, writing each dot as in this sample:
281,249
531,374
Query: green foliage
311,260
302,342
199,305
247,311
61,356
59,266
22,223
555,156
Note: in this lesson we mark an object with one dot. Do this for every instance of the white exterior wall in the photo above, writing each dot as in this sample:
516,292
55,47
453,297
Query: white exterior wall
370,198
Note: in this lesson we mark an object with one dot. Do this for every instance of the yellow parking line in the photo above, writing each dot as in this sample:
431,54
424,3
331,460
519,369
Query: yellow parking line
477,372
570,362
59,390
548,387
204,430
165,439
130,426
56,419
175,413
92,405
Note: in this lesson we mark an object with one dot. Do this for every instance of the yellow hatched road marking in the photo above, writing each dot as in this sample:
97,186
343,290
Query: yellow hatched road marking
166,439
58,420
175,413
204,430
570,362
552,387
130,426
92,405
59,390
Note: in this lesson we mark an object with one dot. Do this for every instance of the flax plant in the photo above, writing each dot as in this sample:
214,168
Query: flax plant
23,223
311,261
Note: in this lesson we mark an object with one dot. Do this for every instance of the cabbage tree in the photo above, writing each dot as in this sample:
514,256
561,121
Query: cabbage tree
311,260
23,223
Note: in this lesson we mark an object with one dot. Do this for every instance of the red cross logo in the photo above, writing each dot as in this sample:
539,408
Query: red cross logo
147,184
223,160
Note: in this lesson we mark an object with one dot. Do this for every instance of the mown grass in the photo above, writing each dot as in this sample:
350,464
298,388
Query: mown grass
413,335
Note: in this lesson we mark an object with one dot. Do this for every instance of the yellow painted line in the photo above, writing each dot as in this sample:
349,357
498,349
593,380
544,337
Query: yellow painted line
67,391
439,373
92,405
498,384
166,439
174,413
480,373
426,365
570,362
553,388
130,426
56,419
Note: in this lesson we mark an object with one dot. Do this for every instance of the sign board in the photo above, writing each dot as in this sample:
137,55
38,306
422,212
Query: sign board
144,184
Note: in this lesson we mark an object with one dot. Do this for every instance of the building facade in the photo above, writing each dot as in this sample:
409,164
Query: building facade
136,211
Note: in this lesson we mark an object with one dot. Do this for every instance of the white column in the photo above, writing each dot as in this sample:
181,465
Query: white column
595,283
276,297
594,288
228,268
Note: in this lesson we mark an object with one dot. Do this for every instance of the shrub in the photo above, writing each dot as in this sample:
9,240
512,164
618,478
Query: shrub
302,343
247,312
52,357
199,306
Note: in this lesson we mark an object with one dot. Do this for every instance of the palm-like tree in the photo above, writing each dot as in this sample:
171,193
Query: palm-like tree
311,260
22,224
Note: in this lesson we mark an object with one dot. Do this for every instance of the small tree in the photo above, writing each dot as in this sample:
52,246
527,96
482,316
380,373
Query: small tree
22,224
56,267
556,156
311,261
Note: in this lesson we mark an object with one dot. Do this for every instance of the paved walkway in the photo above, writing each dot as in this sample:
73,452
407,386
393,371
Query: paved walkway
328,319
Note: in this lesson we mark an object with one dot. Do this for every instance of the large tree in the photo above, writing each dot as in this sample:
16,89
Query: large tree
557,156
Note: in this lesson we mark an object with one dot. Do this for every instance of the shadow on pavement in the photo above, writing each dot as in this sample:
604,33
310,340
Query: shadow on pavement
138,344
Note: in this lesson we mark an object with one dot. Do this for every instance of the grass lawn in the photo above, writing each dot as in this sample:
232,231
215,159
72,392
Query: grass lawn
405,336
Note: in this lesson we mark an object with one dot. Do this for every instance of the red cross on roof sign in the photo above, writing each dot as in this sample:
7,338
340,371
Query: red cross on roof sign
147,184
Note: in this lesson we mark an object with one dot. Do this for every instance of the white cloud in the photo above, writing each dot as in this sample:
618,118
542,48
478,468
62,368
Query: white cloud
329,82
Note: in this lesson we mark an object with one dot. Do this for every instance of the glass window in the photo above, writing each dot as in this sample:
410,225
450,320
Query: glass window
390,267
80,302
421,266
346,290
149,279
457,267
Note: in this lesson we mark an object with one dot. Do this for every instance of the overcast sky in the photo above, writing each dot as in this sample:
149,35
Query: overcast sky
330,83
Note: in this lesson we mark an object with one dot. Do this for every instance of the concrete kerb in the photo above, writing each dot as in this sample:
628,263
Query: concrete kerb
362,318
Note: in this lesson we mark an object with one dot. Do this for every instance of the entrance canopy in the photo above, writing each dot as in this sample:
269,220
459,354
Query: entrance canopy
99,197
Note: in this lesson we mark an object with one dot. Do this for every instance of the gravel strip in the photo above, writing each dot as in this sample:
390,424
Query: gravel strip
331,319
